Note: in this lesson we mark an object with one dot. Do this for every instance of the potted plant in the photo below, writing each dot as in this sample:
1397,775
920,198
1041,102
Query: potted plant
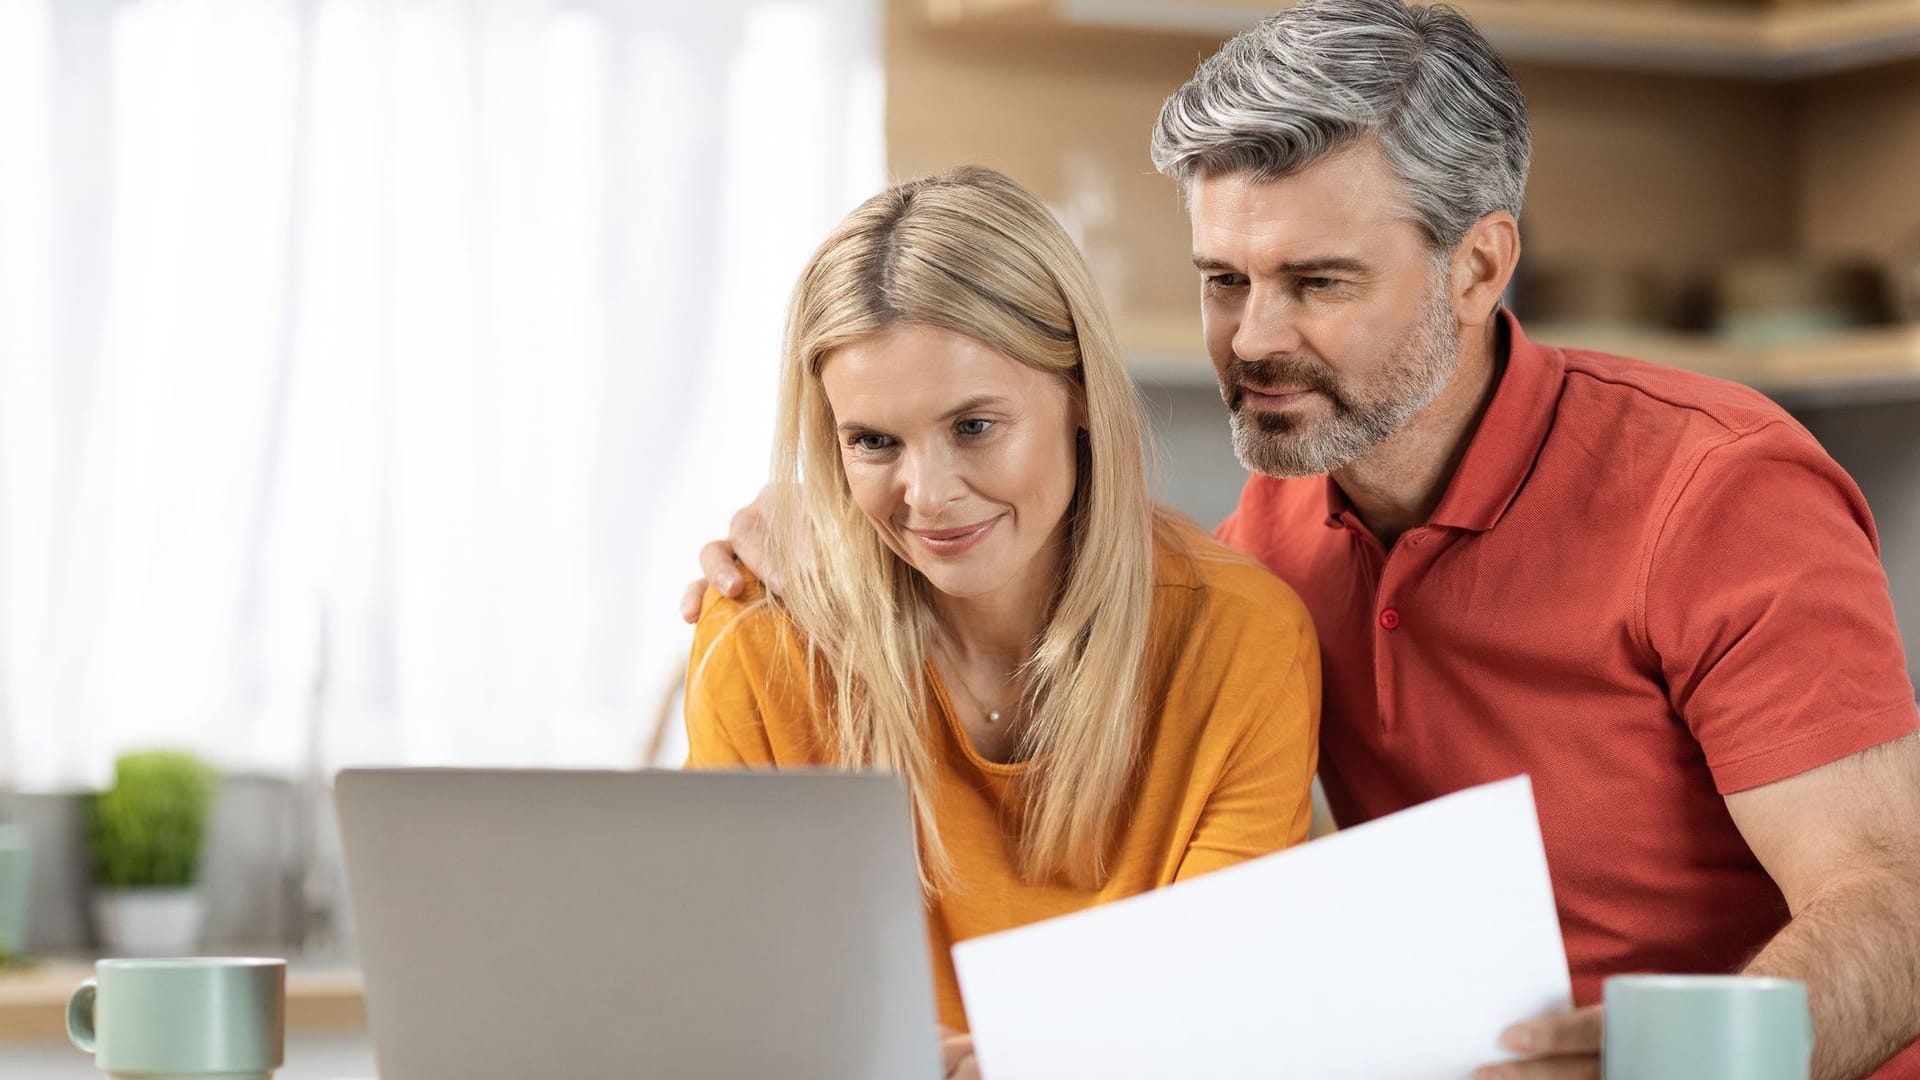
145,834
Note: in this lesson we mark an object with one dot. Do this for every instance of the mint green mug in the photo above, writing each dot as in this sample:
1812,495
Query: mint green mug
16,887
194,1018
1706,1027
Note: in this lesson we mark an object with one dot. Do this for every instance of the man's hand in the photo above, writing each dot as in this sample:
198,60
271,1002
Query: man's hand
1565,1046
956,1056
746,542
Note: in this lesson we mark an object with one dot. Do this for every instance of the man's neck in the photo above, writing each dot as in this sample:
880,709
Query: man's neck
1399,485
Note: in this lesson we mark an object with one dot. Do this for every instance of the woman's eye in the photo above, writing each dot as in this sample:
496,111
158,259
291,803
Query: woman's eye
973,426
870,442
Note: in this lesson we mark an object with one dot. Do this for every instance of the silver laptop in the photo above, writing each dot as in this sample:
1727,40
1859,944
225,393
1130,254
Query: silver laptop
525,924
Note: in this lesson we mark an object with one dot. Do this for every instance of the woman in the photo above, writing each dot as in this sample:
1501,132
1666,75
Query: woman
1088,698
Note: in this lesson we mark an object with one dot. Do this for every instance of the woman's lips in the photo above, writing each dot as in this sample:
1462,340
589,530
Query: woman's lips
955,541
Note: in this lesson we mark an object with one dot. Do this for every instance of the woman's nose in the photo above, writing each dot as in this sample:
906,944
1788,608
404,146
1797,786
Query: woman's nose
932,481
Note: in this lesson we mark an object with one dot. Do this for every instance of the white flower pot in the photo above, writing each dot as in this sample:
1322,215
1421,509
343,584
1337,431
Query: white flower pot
148,922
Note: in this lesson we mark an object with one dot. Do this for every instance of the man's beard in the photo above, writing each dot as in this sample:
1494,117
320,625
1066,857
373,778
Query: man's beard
1282,445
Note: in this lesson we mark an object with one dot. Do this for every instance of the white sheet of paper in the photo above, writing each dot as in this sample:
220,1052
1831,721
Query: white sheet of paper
1395,950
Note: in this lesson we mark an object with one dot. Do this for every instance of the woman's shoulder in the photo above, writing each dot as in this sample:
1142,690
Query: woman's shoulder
1233,587
1232,652
755,631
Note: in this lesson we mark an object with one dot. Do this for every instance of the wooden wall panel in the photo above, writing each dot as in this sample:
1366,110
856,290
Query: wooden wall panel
1627,166
1648,167
1859,169
1068,116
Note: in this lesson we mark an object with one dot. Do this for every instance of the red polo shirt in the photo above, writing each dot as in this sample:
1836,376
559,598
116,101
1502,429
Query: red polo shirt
1646,588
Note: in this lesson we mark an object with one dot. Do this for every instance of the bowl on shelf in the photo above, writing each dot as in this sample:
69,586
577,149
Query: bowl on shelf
1601,294
1770,300
1903,280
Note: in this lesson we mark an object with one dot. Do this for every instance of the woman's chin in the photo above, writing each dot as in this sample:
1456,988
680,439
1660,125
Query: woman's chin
962,582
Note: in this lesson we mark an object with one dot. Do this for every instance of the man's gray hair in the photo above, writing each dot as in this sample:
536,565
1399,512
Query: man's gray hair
1326,73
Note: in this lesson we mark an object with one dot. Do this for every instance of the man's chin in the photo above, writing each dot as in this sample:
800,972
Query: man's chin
1271,446
1284,457
1279,470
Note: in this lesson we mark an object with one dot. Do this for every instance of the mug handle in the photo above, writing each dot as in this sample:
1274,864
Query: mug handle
80,1014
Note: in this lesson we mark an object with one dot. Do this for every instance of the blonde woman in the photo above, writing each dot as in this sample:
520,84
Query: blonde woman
1087,697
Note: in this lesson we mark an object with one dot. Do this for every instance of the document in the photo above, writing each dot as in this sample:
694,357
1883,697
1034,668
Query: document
1394,950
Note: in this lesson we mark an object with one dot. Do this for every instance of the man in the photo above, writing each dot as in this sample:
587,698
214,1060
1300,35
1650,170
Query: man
1650,590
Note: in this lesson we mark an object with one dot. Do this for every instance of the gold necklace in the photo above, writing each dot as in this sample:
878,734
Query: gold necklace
993,715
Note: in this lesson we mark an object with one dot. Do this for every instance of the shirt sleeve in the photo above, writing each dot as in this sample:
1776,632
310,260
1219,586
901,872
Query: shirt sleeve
1268,702
1768,610
726,674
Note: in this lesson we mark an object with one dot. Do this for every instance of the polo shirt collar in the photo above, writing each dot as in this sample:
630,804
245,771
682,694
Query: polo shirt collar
1503,449
1337,504
1511,433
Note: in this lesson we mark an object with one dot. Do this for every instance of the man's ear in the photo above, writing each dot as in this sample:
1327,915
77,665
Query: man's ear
1483,264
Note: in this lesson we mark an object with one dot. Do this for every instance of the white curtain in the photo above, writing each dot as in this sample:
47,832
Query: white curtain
370,370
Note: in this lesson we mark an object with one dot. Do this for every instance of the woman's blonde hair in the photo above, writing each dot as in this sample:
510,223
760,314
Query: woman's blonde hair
971,252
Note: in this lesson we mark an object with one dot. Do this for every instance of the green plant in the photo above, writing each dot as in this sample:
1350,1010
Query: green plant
145,830
13,961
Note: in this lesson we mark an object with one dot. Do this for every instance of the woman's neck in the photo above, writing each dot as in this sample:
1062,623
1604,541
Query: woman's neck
997,630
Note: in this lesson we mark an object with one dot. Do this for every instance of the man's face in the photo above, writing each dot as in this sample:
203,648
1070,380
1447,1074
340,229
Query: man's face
1327,316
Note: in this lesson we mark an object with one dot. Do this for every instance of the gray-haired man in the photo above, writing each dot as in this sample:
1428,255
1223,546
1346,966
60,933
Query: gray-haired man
1650,590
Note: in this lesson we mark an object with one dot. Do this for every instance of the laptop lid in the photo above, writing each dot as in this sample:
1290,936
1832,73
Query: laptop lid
700,924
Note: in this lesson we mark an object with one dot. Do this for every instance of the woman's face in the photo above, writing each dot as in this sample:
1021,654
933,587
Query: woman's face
962,457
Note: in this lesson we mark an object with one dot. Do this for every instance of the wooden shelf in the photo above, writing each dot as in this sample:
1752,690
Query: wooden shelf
1784,42
1858,367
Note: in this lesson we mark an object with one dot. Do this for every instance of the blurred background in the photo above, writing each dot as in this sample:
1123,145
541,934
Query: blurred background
371,370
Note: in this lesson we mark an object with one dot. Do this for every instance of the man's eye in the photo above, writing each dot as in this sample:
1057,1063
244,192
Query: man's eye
870,442
1225,281
973,426
1318,284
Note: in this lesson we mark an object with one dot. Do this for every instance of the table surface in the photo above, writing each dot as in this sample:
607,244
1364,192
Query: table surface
341,1056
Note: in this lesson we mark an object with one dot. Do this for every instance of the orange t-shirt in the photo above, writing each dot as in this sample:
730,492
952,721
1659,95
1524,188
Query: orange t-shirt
1232,684
1647,588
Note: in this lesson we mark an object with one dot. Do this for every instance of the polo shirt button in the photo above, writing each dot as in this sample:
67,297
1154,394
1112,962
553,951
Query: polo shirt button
1389,618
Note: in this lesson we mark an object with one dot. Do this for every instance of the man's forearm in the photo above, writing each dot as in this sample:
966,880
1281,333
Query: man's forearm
1857,947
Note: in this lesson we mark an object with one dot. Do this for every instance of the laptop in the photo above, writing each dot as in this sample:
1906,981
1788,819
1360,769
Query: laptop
517,924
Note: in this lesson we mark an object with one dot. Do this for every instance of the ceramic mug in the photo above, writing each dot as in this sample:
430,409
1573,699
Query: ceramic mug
1706,1027
192,1018
16,886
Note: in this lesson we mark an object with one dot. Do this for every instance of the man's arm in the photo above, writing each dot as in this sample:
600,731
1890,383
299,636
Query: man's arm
1843,843
1767,608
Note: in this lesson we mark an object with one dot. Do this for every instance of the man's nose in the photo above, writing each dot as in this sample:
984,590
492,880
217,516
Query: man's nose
1268,325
